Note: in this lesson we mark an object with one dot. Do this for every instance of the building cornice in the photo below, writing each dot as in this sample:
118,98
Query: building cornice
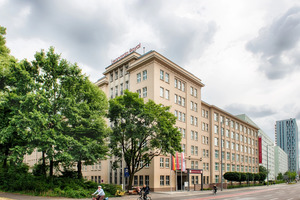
229,115
153,55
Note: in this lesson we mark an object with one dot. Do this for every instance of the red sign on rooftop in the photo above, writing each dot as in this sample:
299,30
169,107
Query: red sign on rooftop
126,53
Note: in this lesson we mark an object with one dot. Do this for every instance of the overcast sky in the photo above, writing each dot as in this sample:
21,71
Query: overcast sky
247,53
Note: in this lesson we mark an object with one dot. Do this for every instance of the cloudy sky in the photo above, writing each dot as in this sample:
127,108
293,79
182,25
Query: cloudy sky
247,53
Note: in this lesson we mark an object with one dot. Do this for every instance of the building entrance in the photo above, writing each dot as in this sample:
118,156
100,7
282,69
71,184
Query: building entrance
180,184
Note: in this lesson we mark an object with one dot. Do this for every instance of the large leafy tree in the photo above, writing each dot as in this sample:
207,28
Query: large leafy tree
141,131
66,113
16,81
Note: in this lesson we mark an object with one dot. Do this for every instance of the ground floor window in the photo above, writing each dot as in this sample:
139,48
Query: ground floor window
141,180
217,178
162,180
167,180
197,180
147,180
135,181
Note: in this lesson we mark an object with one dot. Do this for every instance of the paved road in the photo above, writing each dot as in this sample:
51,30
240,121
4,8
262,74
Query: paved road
274,192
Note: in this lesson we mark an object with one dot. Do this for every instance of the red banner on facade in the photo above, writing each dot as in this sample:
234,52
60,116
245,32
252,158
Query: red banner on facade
259,150
177,161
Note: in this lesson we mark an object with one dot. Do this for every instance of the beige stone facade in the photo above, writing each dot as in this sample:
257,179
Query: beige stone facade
155,77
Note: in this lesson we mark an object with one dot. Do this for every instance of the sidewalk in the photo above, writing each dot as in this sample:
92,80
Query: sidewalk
154,195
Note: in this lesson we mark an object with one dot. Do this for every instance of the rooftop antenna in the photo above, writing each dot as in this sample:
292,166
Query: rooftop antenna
143,50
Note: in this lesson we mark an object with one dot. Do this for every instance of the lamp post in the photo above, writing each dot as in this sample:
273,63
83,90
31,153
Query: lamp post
221,156
268,163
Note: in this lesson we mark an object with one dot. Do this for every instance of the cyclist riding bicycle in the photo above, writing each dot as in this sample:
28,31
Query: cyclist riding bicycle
146,191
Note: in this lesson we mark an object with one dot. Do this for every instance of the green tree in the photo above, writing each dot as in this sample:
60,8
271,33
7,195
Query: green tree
85,120
61,113
141,131
280,176
263,173
290,175
256,177
16,81
243,177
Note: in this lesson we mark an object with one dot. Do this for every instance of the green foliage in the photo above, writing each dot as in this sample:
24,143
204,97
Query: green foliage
280,176
141,131
241,177
17,179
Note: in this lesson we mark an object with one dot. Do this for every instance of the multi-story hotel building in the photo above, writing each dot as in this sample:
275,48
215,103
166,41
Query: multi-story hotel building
205,128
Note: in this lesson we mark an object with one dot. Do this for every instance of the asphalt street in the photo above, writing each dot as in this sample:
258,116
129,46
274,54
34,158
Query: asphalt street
272,192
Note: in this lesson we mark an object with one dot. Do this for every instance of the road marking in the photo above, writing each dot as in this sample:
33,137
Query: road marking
232,195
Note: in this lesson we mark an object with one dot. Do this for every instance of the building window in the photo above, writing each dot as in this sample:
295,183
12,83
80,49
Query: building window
147,181
167,164
192,150
216,166
192,164
135,181
192,91
217,154
145,75
196,150
162,180
121,89
161,92
161,163
139,92
116,88
161,75
183,148
141,180
138,77
145,92
127,85
121,72
167,94
111,93
167,77
167,180
192,135
111,77
216,141
217,178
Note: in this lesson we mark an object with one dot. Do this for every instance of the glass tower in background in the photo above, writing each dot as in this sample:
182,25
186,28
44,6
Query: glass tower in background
286,137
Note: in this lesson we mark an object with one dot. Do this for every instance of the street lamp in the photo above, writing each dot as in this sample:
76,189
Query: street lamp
268,164
222,122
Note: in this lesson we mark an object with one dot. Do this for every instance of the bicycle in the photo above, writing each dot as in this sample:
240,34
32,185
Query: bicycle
95,197
214,191
142,198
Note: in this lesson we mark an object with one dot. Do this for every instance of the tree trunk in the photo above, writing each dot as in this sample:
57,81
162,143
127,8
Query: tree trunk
51,167
130,181
44,164
79,167
5,158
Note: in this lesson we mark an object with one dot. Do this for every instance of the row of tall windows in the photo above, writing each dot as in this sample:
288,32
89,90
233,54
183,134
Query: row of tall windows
118,89
164,76
180,115
141,180
180,85
179,100
194,120
144,90
164,93
118,73
139,76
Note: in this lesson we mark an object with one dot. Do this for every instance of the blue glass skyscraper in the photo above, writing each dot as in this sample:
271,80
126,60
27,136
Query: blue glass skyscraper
286,137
